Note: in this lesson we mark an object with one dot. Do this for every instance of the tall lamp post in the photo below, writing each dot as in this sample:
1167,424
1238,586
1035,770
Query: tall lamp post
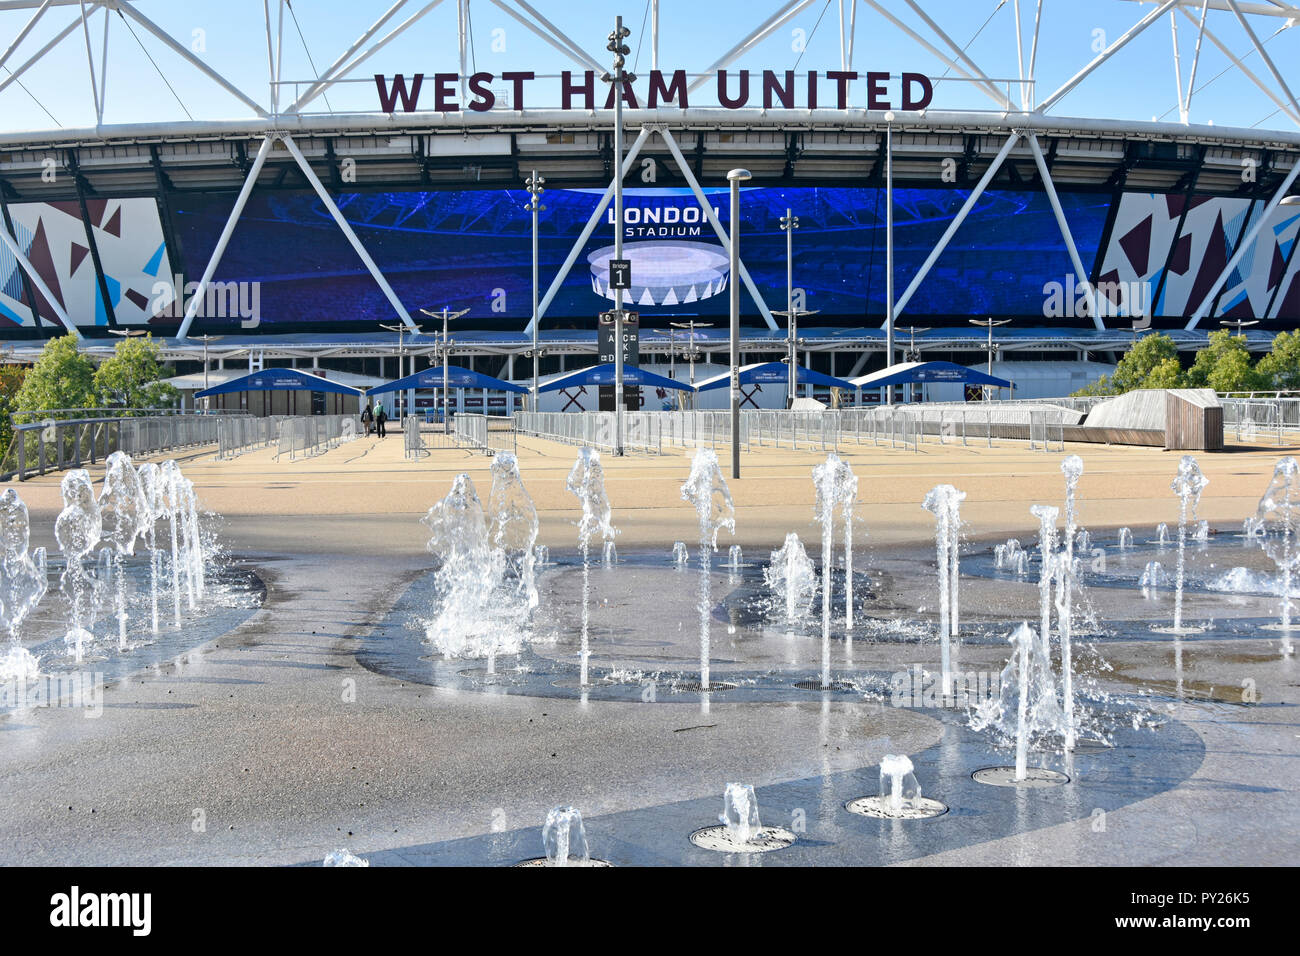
889,249
735,177
446,315
205,339
789,223
617,76
400,328
534,184
989,324
912,354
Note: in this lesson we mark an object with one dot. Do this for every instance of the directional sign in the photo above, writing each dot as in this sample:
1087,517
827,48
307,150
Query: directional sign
620,273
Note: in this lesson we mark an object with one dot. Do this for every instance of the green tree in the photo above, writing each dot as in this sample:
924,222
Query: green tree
132,377
61,378
11,379
1150,356
1280,368
1224,365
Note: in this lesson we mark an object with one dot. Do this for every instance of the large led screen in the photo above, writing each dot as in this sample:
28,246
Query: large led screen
472,249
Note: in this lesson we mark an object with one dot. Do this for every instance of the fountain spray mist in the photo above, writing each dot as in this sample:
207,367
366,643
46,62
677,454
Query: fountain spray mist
837,487
1188,486
1072,468
587,481
944,502
1278,522
708,492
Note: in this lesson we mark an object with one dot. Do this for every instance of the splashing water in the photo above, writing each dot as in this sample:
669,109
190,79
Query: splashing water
151,490
837,488
123,513
1162,535
541,555
77,531
564,837
609,554
1202,535
944,502
1153,575
23,582
708,492
740,813
898,784
1125,539
513,528
1046,515
1072,468
1279,520
681,554
792,577
344,857
1187,485
1025,708
587,481
479,613
734,556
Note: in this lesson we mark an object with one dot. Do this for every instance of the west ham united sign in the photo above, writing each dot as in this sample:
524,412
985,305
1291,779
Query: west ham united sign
768,89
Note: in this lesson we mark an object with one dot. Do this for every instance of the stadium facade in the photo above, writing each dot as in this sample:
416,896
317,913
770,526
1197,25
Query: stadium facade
295,235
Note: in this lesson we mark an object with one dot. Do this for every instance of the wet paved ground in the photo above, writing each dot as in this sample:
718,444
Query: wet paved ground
314,723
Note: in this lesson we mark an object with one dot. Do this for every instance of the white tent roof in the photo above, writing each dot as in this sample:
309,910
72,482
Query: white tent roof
194,380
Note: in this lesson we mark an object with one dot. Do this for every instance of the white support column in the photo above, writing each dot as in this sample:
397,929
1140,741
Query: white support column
343,224
22,34
1196,59
51,44
1242,247
960,52
37,281
784,14
1236,61
689,175
955,224
578,57
1055,200
1106,54
587,230
318,86
196,301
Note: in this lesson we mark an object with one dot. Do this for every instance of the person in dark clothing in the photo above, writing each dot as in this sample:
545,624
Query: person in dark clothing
381,416
367,417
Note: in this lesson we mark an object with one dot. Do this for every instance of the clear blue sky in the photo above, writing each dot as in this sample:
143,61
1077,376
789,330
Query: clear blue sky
1137,84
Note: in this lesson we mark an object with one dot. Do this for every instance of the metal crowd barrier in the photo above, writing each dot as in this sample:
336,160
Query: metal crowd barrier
238,435
1262,419
488,433
56,444
302,436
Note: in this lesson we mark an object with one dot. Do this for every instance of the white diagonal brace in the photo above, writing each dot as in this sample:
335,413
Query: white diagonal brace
689,175
1106,54
51,44
1268,60
22,34
587,230
343,224
961,54
1196,59
325,77
578,57
196,302
37,281
90,61
988,89
1245,70
1244,245
787,12
559,34
953,226
324,84
1064,225
183,51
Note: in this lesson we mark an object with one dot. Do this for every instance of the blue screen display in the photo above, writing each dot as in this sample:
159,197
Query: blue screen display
472,249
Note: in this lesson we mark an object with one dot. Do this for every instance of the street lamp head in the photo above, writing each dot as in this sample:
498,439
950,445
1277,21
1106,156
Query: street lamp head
1290,201
739,175
889,116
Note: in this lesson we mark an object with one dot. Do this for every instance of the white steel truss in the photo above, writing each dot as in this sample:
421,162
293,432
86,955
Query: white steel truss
1016,101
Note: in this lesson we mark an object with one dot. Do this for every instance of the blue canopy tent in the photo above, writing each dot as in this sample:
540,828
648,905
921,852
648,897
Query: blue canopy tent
279,380
292,380
906,373
604,375
457,377
773,372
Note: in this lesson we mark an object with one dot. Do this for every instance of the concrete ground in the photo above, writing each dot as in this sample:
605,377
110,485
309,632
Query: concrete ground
272,744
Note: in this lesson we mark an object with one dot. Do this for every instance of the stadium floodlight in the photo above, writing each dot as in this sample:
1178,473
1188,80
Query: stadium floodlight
989,323
735,177
789,223
401,328
535,186
617,78
1239,323
446,315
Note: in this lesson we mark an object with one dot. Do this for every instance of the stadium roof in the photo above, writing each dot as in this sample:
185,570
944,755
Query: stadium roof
905,373
279,380
604,375
457,377
772,372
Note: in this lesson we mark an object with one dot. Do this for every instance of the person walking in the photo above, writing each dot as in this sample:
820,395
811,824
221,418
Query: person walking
381,416
368,417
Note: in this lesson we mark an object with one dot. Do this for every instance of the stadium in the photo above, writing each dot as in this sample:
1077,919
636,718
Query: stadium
297,233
